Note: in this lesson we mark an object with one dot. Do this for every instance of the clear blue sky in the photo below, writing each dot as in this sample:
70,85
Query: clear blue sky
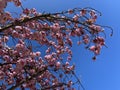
103,74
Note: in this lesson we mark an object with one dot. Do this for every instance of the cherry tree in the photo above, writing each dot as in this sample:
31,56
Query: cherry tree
35,48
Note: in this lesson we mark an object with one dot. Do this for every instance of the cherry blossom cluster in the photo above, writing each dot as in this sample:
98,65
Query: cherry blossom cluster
3,3
35,48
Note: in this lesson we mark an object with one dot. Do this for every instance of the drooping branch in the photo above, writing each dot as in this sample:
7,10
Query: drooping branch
2,64
49,16
54,86
28,79
52,17
20,22
78,80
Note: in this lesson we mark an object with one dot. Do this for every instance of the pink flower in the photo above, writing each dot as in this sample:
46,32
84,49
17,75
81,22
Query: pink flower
20,47
67,63
70,11
79,42
17,2
69,58
76,17
99,40
95,49
58,64
55,27
33,54
69,41
69,52
3,4
72,33
18,27
92,48
21,62
5,38
38,53
6,57
48,50
83,12
15,34
92,13
86,41
69,83
48,57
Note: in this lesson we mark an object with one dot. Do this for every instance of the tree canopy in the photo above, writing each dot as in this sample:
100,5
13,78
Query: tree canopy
35,48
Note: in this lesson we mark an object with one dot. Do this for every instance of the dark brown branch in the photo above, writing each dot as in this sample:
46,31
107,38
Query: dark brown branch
28,79
44,16
54,86
2,64
50,17
20,22
78,80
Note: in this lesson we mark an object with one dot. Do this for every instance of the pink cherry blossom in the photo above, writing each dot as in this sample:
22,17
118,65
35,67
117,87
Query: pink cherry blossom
38,53
36,48
83,12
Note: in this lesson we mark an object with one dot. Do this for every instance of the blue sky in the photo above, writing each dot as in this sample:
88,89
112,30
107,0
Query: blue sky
104,73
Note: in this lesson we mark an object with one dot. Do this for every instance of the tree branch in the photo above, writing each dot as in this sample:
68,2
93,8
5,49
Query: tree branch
28,79
2,64
53,86
20,22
